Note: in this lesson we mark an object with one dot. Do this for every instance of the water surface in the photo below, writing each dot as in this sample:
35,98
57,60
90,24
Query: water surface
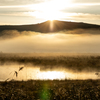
34,72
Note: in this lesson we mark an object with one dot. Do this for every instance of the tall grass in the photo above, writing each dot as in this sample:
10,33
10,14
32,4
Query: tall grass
15,74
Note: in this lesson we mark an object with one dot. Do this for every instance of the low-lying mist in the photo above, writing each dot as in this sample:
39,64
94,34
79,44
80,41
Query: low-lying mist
72,41
49,67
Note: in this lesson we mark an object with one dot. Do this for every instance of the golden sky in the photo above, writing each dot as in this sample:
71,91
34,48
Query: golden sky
36,11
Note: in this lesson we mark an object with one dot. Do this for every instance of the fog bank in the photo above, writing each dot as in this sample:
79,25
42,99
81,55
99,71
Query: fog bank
73,41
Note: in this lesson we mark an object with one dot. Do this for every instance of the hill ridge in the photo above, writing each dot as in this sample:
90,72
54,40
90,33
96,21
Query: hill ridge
56,25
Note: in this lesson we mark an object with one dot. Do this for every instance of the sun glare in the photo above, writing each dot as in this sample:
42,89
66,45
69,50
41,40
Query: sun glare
50,10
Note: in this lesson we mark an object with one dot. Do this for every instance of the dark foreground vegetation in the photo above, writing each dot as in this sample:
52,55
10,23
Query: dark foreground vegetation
50,90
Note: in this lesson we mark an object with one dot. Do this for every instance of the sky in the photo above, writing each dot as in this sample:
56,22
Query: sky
18,12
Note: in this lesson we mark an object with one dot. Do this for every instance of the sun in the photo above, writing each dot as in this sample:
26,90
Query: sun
49,13
50,10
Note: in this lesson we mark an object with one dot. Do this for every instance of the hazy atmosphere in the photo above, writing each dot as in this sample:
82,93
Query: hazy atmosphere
49,49
73,41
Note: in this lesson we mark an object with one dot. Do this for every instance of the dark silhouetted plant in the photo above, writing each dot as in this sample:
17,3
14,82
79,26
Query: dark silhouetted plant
15,73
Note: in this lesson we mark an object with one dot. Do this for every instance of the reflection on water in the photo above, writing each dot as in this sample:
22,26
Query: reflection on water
7,71
51,75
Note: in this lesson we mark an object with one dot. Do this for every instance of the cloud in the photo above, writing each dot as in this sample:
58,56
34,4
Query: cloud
82,32
83,9
83,16
16,13
87,16
8,34
86,1
18,2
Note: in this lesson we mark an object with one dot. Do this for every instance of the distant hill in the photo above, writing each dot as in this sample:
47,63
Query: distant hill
45,26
